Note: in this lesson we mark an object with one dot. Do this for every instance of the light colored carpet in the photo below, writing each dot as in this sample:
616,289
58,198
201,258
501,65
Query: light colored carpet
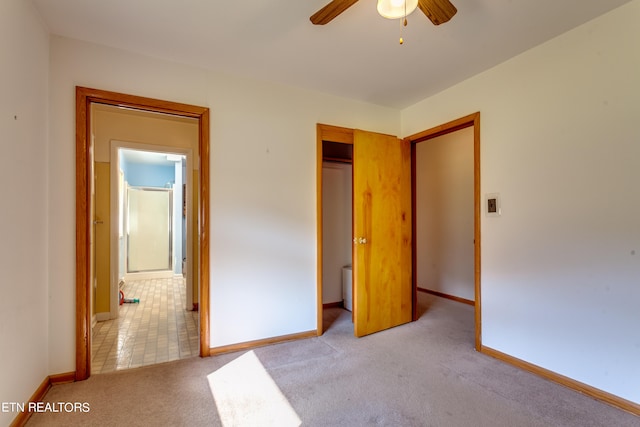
422,374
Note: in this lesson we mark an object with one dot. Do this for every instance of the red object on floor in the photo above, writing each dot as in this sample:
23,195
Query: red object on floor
121,297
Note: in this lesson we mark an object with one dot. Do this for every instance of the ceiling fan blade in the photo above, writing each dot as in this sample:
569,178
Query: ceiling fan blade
330,11
438,11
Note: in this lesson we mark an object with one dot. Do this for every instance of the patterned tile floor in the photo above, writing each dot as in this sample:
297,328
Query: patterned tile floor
156,330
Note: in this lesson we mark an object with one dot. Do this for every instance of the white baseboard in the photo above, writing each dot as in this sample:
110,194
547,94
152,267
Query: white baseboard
101,317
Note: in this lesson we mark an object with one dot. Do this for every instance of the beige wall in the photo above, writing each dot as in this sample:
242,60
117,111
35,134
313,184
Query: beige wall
444,214
112,123
560,143
263,186
24,224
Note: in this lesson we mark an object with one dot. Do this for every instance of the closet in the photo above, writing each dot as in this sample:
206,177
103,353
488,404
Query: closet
337,213
380,239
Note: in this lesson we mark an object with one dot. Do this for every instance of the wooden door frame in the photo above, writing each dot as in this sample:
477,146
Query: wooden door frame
472,120
84,144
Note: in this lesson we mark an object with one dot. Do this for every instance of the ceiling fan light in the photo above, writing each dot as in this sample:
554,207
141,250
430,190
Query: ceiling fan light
394,9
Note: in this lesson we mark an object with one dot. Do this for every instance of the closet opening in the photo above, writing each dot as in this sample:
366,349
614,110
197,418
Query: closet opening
380,235
337,220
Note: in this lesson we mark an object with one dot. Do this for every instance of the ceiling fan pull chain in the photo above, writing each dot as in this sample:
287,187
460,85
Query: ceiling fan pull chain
403,23
405,13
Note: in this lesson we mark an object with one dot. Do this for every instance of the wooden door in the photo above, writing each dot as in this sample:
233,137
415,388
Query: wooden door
382,232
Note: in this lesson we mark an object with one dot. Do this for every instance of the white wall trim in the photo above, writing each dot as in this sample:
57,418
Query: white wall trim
101,317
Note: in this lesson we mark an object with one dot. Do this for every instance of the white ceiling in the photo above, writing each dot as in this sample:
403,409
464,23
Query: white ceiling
357,55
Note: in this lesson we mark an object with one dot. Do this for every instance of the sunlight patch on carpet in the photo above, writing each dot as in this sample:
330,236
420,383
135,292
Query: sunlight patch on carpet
245,394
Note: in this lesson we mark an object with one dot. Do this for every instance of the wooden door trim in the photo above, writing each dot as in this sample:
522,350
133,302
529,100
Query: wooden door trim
84,98
472,120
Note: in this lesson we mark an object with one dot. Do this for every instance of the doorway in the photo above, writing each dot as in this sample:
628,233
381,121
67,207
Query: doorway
337,220
154,171
145,263
444,216
381,228
85,202
472,124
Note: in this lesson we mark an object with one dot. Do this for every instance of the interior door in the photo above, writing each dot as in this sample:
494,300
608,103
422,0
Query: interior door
382,295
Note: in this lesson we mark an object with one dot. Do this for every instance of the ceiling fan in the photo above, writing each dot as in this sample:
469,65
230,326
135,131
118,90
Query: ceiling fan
438,11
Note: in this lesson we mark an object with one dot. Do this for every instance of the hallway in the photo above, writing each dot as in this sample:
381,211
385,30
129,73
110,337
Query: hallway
155,330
